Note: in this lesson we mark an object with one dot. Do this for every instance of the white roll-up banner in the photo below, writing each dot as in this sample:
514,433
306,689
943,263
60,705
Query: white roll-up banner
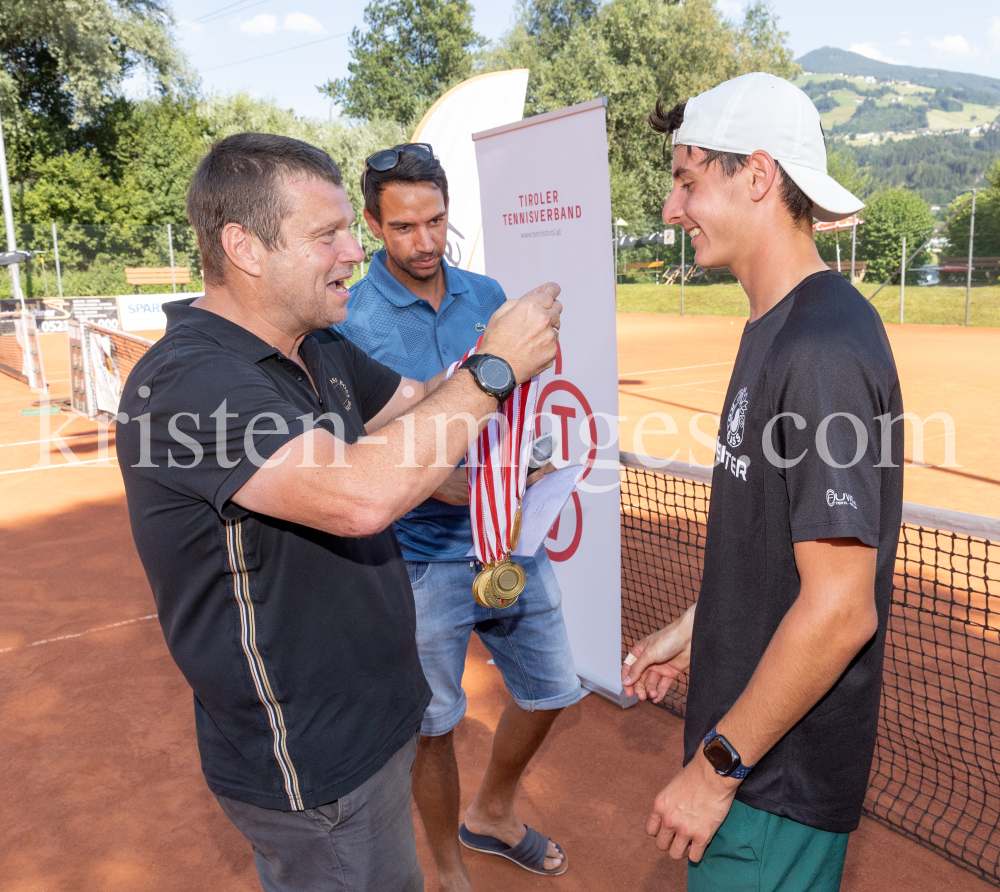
481,102
546,205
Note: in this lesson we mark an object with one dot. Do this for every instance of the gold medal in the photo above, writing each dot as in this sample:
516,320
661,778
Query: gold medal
481,585
515,529
506,583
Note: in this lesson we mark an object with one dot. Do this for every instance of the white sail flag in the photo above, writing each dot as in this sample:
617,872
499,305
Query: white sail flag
479,103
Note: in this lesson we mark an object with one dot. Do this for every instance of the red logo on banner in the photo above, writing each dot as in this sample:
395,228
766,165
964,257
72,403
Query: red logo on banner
565,402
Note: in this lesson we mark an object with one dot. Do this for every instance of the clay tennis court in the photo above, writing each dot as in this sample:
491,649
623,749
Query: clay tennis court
103,789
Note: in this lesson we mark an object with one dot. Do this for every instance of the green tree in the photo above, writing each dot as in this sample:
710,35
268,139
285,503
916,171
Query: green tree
890,215
62,63
411,53
632,52
986,238
347,144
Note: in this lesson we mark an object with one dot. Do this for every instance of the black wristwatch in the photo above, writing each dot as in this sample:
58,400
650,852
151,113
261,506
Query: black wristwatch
492,374
722,756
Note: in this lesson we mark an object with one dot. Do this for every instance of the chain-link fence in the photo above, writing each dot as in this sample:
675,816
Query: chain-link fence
75,260
649,253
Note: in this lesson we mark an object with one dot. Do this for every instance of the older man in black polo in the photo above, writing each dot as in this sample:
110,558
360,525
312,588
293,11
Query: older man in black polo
265,458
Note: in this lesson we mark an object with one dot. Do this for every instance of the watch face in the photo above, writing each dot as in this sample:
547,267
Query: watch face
720,756
495,374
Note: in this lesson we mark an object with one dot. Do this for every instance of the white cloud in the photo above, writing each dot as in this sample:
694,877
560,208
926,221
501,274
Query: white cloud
301,21
905,41
872,52
993,35
954,45
260,24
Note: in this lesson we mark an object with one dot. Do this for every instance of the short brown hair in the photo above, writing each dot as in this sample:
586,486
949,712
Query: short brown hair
240,181
796,202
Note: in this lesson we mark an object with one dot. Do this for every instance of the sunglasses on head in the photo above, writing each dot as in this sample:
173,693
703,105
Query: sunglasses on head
387,159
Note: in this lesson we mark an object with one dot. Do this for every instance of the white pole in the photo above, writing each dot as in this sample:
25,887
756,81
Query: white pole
55,248
682,270
170,245
8,222
836,235
902,282
854,243
968,272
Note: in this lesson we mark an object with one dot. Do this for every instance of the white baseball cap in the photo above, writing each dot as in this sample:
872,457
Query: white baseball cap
761,112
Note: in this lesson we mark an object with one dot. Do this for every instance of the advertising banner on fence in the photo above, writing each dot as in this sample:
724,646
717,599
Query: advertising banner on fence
487,100
546,205
144,312
52,314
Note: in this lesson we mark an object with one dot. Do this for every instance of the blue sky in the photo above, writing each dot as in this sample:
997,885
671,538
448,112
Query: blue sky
219,35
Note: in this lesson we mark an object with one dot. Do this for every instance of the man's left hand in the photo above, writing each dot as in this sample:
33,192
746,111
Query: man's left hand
690,809
539,473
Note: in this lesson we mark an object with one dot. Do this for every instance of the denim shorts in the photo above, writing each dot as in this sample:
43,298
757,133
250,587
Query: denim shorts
528,640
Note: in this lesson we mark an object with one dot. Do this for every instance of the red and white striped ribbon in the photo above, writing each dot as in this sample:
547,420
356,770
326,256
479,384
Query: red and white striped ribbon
498,477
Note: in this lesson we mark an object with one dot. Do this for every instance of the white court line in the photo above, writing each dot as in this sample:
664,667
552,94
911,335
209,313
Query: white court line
49,440
68,464
668,386
680,368
124,622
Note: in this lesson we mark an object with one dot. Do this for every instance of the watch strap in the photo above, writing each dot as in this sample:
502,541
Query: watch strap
473,362
741,770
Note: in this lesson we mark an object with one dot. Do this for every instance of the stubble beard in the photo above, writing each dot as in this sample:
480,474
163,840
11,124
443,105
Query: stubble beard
415,272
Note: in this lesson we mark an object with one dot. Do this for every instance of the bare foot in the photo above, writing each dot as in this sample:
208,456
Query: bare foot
511,831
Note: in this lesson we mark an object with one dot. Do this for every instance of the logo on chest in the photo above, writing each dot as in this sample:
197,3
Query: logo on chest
340,387
737,419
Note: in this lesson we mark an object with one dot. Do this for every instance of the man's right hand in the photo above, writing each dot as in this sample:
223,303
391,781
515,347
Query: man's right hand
525,332
659,659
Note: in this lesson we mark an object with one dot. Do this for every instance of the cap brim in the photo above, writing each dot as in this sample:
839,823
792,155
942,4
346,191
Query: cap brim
831,201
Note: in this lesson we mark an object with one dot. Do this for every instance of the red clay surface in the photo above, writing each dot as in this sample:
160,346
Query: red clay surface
680,366
102,785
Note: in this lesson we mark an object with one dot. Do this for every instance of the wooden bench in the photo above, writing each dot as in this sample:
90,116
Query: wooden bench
845,268
655,264
157,275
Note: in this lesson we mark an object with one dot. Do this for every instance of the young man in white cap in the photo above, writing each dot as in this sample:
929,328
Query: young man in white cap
785,643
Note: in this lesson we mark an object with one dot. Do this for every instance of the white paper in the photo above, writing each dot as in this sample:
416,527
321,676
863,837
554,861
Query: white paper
540,508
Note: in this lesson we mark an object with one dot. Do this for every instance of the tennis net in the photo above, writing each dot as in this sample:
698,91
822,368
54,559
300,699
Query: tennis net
100,359
935,774
20,352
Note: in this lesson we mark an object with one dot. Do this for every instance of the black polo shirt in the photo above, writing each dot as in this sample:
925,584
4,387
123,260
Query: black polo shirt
804,453
299,645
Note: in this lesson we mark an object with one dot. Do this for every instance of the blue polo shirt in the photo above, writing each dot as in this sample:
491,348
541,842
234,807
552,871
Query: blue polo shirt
391,324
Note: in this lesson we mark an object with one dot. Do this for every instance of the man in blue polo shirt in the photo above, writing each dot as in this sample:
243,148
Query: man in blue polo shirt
417,314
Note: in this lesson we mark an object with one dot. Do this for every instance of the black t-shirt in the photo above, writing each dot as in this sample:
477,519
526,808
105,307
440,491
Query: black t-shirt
820,352
299,645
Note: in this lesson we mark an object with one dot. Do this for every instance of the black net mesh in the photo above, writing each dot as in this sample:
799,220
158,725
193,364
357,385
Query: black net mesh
934,777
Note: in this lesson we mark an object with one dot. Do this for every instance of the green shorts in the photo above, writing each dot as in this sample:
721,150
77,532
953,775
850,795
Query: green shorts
754,851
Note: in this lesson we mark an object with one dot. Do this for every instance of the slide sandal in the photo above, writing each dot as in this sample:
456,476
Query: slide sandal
529,853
